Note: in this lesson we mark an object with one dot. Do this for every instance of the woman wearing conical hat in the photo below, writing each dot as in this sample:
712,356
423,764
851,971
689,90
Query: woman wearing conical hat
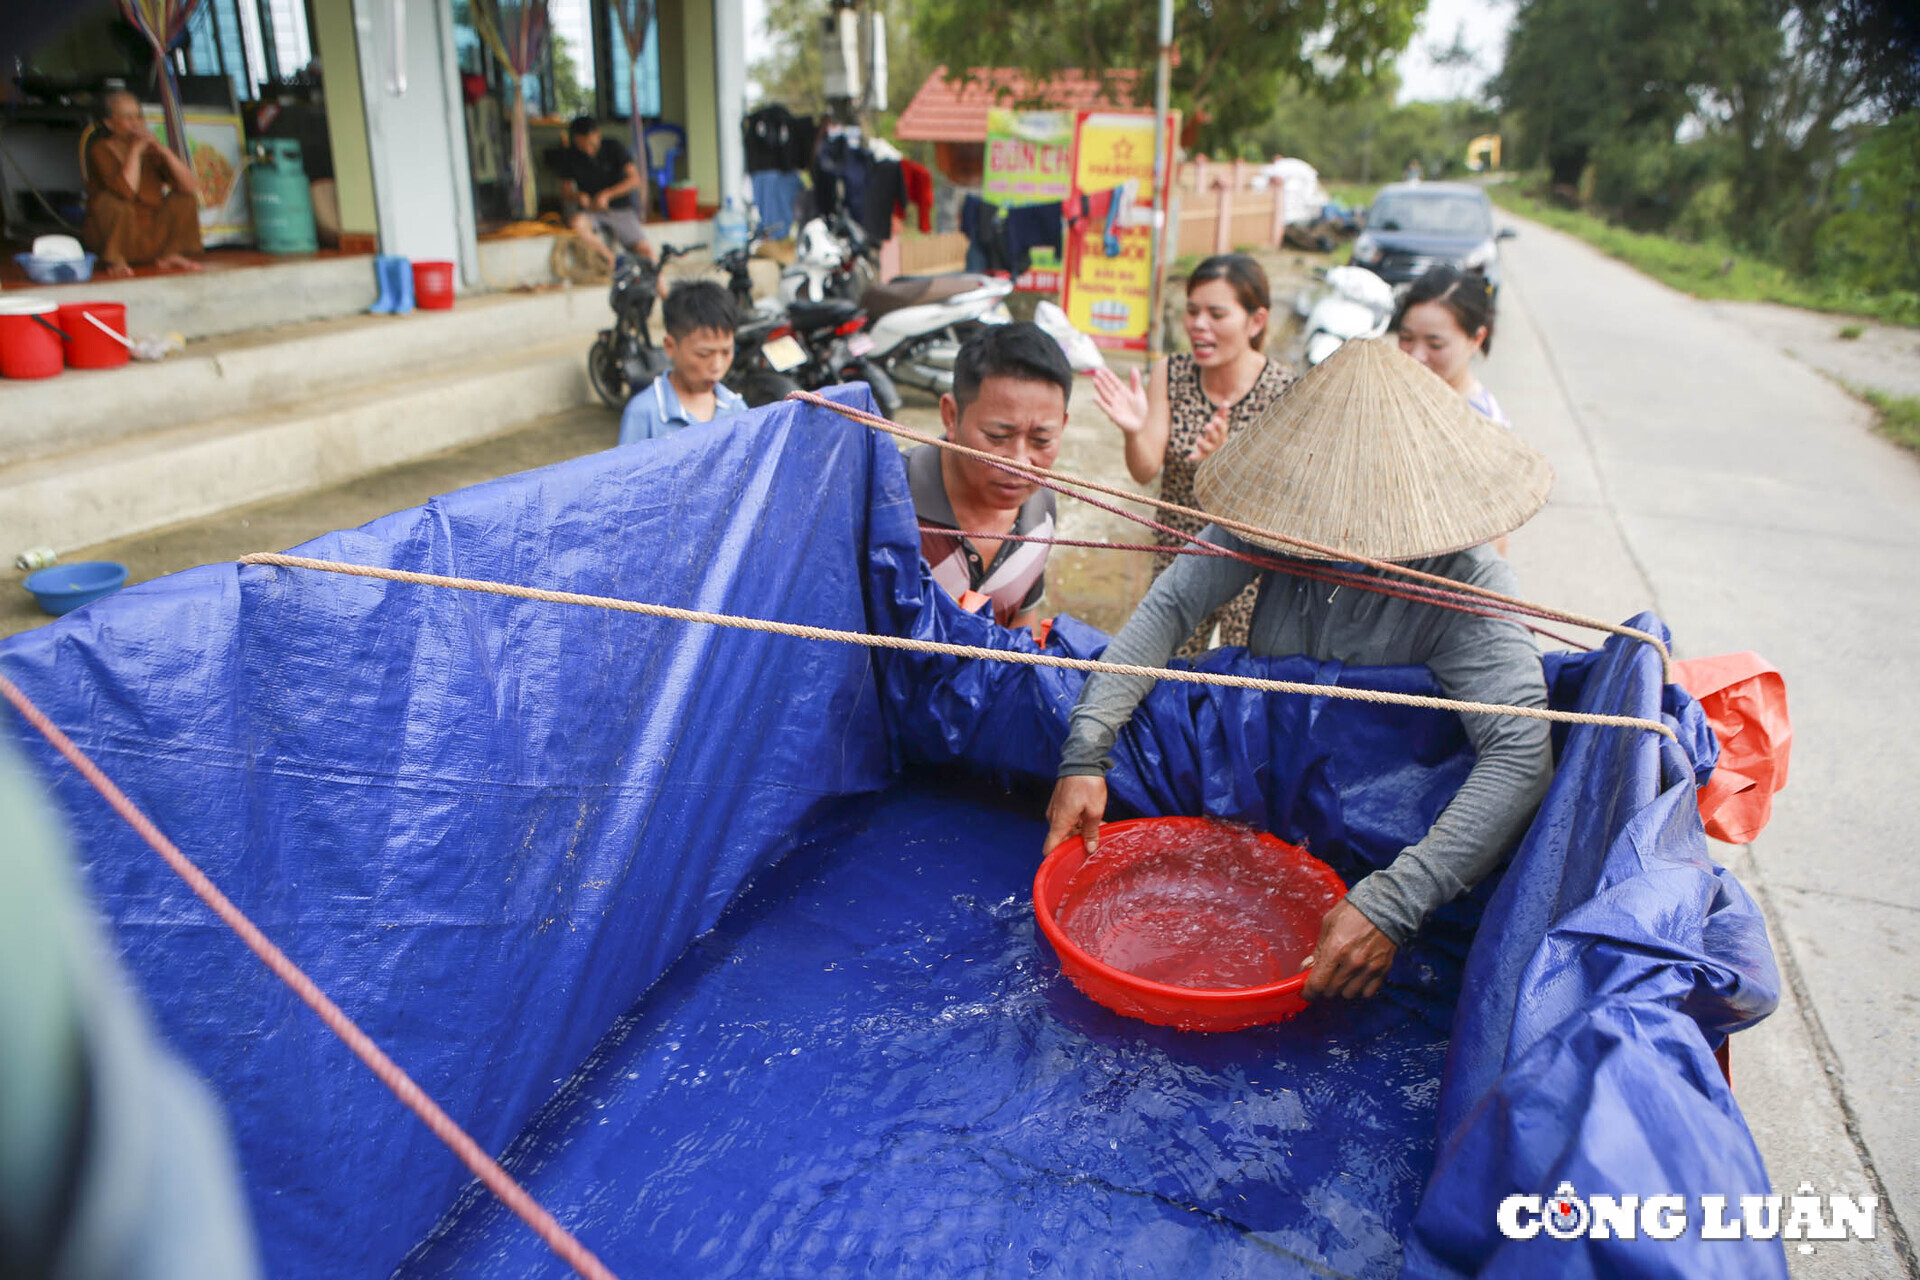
1374,455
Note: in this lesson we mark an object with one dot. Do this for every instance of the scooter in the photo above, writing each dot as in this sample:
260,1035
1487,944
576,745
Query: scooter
833,258
919,322
624,359
1356,304
809,344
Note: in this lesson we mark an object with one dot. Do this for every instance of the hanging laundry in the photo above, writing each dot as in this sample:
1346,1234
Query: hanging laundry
919,192
1030,227
779,145
775,193
886,196
1103,208
986,236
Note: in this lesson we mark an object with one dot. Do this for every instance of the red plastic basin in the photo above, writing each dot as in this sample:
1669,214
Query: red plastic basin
1186,922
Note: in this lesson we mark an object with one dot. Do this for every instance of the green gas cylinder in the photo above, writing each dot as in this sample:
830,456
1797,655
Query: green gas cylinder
282,203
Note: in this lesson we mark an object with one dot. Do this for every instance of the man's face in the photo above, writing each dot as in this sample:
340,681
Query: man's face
1019,419
701,358
587,142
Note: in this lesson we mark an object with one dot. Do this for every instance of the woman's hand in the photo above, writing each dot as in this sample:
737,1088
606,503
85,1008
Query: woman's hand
1077,807
1124,403
1352,958
1213,435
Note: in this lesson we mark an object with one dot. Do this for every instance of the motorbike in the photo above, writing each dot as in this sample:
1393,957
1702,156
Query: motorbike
805,343
918,323
624,359
833,258
1356,304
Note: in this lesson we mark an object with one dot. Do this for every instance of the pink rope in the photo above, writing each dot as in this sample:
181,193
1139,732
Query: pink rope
1059,484
1417,592
389,1073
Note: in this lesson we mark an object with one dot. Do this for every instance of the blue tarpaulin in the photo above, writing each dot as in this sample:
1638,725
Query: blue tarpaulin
725,936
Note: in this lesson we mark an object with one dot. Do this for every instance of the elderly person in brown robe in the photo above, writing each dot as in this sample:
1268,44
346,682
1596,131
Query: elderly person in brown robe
143,201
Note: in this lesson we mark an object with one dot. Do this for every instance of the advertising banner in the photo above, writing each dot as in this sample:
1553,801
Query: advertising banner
1108,286
1030,161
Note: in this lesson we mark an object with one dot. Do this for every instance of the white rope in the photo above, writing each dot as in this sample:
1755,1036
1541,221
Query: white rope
829,634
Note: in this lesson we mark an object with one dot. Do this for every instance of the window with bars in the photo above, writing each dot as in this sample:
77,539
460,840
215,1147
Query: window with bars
251,42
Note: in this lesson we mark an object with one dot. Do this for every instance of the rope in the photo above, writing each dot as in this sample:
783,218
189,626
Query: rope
832,635
482,1165
1058,481
1414,591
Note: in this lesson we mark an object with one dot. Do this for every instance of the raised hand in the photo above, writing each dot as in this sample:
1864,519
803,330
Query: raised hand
1124,403
1213,435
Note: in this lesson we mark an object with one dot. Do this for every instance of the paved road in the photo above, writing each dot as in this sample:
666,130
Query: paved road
1706,474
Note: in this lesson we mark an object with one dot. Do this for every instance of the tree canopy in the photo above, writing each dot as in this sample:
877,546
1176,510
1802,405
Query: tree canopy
1717,118
1234,55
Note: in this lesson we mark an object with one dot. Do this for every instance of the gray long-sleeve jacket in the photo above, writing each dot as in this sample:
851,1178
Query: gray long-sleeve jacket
1475,659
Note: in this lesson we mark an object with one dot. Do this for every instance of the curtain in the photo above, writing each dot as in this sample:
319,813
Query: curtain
164,24
635,16
516,31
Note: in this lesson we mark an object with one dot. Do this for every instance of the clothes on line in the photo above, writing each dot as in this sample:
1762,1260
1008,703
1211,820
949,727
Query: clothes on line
776,192
1004,240
779,145
891,188
778,139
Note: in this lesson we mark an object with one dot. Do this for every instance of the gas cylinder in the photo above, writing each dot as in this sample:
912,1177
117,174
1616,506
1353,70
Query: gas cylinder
282,203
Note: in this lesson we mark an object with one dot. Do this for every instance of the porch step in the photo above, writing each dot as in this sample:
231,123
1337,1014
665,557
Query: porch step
258,371
225,299
130,485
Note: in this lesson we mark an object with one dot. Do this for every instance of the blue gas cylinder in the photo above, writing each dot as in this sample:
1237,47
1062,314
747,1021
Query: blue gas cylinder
282,203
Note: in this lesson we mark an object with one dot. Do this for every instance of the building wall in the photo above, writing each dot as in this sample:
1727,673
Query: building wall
702,118
333,40
423,194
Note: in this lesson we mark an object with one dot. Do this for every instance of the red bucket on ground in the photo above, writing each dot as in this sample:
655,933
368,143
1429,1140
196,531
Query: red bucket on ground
1185,922
31,343
89,344
683,204
433,286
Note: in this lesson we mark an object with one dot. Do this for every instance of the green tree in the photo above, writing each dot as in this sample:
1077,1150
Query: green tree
1582,74
1368,137
1235,55
791,73
1872,241
570,98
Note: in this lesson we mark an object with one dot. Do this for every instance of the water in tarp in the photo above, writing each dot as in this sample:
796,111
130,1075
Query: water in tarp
873,1065
1215,906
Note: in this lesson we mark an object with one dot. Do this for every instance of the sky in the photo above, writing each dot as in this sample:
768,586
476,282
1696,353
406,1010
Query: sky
1482,22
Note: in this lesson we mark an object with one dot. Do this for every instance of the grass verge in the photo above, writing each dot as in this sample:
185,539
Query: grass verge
1708,270
1899,416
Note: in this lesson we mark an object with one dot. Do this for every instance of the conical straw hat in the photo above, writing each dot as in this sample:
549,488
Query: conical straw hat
1376,455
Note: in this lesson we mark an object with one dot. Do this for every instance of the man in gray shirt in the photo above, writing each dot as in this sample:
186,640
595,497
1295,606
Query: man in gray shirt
1473,658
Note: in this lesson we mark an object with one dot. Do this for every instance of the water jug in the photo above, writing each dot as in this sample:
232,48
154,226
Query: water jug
730,230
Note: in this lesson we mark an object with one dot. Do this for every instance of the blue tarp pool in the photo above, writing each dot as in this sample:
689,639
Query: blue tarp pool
724,938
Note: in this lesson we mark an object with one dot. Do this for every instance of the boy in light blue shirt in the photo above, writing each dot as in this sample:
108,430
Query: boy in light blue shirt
700,318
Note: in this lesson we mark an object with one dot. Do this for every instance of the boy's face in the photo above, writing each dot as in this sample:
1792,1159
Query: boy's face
700,359
1019,419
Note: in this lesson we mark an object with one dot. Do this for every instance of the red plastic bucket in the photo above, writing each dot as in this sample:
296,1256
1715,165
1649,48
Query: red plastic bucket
433,286
1185,922
31,343
683,204
87,346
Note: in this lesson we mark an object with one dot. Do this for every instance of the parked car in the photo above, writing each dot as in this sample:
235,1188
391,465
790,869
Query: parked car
1415,225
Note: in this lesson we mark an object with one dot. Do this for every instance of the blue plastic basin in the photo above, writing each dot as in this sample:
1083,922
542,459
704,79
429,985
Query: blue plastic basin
65,587
56,270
